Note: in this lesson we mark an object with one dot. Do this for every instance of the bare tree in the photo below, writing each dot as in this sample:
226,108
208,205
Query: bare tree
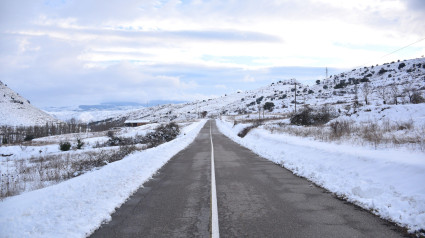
409,90
295,94
383,93
366,89
356,97
394,92
259,111
204,114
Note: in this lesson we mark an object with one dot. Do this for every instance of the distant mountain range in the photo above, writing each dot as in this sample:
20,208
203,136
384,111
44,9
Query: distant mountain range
87,113
112,106
125,105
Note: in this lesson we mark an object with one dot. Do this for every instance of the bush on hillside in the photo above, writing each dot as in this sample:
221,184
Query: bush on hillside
417,98
29,138
309,116
162,134
269,106
382,71
80,143
247,129
110,134
340,85
64,146
258,100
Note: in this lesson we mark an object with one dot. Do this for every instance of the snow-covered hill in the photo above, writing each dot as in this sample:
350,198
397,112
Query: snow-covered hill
17,111
391,83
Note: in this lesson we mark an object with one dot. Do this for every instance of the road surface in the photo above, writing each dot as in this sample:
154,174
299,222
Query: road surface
255,198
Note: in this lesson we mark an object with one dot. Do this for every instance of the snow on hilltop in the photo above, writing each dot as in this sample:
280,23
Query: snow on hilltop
396,80
17,111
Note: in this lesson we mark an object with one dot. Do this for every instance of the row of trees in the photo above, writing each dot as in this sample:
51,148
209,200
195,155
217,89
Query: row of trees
16,134
392,93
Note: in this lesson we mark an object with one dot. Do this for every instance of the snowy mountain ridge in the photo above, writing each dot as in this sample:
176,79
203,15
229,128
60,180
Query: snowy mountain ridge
15,110
380,85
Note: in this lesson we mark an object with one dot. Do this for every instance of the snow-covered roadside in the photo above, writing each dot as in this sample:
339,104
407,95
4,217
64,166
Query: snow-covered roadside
389,183
75,208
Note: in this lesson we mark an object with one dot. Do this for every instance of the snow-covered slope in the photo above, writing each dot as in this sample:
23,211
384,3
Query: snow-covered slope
17,111
385,83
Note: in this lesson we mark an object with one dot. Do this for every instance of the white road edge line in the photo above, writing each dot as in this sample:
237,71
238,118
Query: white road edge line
214,211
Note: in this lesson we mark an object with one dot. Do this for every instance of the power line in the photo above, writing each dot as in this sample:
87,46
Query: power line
404,47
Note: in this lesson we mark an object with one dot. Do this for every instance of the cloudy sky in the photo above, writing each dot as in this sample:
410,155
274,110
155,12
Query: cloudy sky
69,52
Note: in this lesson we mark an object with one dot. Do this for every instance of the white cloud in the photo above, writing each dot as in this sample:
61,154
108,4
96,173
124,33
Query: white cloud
181,48
248,78
221,86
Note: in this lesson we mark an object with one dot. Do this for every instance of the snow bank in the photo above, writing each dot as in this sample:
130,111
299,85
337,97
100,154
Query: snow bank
395,113
77,207
390,183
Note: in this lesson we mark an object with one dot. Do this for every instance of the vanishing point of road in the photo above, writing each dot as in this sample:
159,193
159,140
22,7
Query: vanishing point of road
216,188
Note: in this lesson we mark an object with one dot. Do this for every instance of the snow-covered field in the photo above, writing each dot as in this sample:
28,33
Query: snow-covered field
78,206
389,182
40,163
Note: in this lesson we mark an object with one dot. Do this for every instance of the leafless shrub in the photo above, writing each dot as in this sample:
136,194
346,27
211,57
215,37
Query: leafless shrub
245,131
319,132
417,98
110,134
373,133
44,170
162,134
340,128
406,125
18,134
309,116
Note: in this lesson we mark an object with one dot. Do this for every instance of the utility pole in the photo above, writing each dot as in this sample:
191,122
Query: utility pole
295,83
326,72
259,112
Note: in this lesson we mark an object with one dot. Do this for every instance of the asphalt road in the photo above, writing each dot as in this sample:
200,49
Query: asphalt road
256,198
